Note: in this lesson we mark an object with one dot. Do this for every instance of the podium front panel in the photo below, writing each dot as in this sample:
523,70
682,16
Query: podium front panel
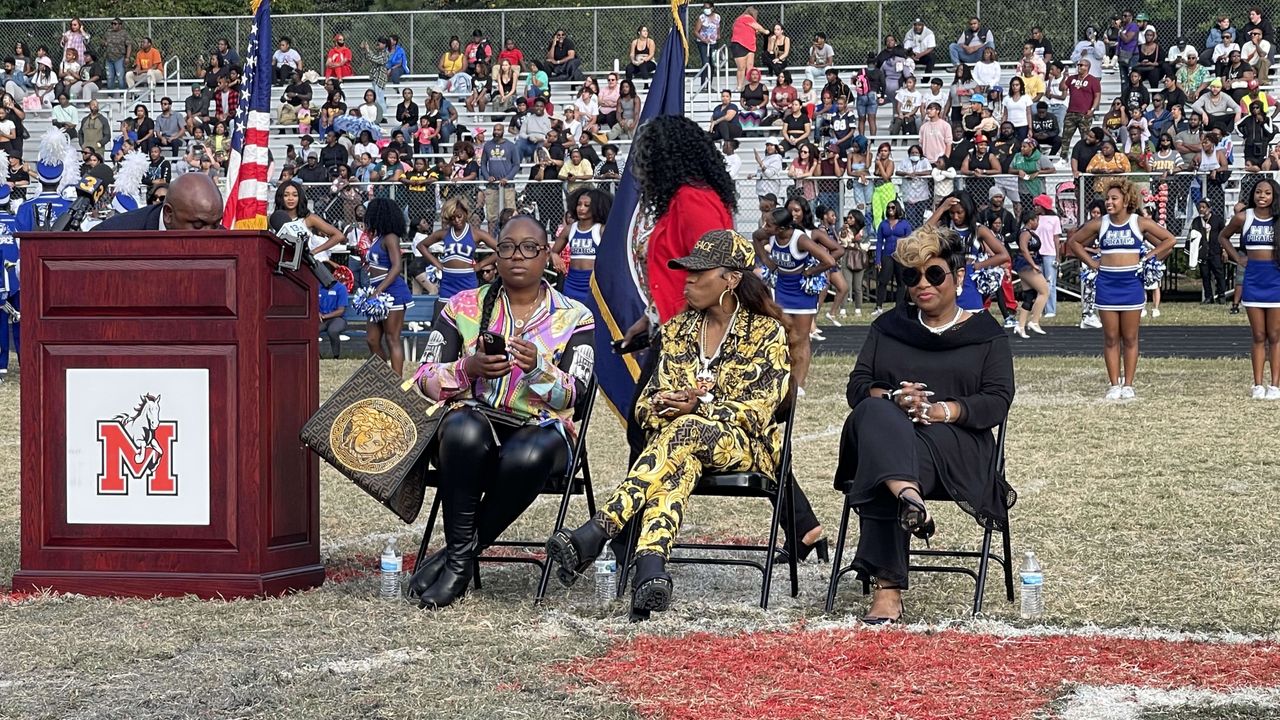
165,379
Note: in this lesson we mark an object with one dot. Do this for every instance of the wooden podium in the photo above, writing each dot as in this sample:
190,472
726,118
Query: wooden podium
165,377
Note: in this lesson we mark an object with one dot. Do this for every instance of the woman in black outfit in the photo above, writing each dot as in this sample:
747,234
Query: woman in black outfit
930,383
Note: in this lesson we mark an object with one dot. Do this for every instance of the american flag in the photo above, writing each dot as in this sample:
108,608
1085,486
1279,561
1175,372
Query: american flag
247,188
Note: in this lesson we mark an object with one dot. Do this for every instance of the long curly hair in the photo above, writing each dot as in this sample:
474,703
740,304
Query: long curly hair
671,151
383,217
601,203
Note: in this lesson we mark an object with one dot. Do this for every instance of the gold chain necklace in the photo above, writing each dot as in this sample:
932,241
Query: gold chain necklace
520,321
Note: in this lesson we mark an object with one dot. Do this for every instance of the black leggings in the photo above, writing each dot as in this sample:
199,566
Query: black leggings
509,475
888,273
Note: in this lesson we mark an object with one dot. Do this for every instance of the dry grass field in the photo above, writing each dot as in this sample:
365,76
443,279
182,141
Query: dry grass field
1158,514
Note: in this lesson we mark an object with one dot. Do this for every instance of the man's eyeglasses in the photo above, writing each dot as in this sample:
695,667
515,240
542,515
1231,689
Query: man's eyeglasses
935,275
528,250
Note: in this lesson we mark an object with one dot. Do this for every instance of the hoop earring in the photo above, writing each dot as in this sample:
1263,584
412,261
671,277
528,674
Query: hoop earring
726,291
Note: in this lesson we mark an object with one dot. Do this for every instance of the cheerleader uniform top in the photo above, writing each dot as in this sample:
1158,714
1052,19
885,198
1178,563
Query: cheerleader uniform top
789,258
379,264
1126,238
1256,233
584,243
459,247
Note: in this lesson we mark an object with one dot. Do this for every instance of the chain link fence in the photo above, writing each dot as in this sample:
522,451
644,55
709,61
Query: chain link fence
602,35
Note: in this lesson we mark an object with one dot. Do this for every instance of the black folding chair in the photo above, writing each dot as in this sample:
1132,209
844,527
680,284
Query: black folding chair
749,484
576,480
984,556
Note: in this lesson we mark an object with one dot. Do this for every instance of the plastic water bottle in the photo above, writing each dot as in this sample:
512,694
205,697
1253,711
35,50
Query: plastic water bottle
390,564
606,577
1032,587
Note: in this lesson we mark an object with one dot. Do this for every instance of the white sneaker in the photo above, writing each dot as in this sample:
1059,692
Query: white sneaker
845,313
857,312
1035,328
344,337
1113,393
1273,393
876,312
833,320
1010,322
1144,312
1259,392
1127,393
1155,312
1049,315
1094,322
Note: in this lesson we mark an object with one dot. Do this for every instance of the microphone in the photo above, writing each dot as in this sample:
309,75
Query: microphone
88,192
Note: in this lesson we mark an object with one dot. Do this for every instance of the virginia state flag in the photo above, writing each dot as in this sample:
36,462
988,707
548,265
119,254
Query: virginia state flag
247,189
617,286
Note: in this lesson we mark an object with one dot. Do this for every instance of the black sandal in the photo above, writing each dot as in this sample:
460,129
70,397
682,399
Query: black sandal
575,551
913,516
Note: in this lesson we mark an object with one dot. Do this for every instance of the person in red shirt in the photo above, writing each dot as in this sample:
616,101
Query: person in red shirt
1085,92
512,53
742,44
337,62
684,186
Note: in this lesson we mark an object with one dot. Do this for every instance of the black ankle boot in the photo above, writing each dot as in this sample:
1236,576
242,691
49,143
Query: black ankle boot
575,551
425,574
652,585
449,586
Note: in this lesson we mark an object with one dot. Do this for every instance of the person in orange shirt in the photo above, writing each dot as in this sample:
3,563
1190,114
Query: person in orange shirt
146,67
337,62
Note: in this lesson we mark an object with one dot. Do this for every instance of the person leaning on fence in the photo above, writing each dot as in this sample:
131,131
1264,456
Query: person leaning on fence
709,405
510,419
930,383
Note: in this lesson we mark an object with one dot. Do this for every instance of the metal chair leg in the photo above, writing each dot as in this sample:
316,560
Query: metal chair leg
561,514
792,540
767,582
1008,566
984,561
836,560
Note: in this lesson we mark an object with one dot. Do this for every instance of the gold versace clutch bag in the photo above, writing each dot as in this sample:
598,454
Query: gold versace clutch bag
375,433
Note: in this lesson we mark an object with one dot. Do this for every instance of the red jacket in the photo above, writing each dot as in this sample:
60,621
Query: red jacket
693,212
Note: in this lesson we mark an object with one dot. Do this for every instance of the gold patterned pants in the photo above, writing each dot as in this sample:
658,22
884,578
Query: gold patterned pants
664,476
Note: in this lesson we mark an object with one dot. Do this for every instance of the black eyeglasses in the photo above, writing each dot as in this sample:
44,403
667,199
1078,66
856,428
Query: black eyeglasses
528,250
936,275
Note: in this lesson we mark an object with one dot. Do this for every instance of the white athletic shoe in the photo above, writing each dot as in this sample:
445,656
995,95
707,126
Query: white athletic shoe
833,320
1273,393
1010,322
857,312
1035,328
1113,393
1155,312
845,313
1049,315
1093,321
1259,392
876,312
1127,393
1144,311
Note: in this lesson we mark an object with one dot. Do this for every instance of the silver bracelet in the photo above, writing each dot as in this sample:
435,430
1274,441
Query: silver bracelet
946,412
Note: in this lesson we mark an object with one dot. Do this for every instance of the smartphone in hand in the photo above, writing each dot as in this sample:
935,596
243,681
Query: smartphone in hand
492,343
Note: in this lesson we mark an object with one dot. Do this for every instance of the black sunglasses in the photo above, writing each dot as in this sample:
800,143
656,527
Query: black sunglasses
936,275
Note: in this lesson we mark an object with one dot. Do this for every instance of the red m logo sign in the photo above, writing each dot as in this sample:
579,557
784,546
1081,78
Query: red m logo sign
123,458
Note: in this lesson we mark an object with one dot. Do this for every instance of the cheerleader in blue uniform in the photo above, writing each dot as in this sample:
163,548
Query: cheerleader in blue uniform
386,225
958,212
1120,295
457,264
793,257
1258,254
590,207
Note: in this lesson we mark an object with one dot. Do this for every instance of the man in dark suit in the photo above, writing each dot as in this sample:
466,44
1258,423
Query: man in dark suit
194,203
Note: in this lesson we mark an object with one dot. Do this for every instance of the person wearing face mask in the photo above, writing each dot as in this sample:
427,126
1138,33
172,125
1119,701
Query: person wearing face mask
915,173
931,381
706,29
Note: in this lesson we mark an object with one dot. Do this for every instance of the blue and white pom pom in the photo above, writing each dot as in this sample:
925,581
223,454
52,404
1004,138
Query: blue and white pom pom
374,307
988,279
813,284
769,277
1151,270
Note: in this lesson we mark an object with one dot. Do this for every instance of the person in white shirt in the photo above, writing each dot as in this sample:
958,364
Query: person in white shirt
906,109
934,94
284,61
1257,52
1223,49
769,179
920,43
821,55
732,163
1091,49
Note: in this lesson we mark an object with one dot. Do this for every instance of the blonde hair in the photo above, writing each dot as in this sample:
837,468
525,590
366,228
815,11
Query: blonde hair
923,245
454,206
1132,198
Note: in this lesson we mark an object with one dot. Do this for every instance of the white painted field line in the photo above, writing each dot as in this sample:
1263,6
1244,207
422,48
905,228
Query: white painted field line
332,547
1001,629
395,657
1127,702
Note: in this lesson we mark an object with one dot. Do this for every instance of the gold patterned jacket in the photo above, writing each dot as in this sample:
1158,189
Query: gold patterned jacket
753,375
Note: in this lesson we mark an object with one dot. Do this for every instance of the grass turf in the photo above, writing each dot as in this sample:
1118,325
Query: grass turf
1151,513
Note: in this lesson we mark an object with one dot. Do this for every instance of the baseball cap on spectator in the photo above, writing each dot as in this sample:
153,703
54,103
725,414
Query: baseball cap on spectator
773,141
1216,82
1043,201
995,192
978,98
979,138
1143,17
833,145
1028,140
918,21
45,61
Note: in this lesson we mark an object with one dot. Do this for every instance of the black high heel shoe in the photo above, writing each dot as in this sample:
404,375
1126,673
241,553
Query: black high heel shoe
913,516
822,546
